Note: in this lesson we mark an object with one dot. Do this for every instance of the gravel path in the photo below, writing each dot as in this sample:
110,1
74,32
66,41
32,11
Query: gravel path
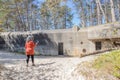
46,67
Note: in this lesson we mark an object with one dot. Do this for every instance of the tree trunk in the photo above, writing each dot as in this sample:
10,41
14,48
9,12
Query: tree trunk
119,9
98,12
105,5
102,10
91,21
112,11
27,16
82,16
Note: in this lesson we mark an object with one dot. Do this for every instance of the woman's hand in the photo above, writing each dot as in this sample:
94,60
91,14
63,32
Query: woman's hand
37,42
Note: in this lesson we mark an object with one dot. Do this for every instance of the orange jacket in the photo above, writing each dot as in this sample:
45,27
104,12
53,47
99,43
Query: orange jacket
29,47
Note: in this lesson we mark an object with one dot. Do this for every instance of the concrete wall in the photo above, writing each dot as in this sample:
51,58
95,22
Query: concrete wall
76,42
104,31
48,41
80,45
107,45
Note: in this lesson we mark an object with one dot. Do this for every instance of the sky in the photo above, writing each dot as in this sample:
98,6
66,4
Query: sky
69,4
75,16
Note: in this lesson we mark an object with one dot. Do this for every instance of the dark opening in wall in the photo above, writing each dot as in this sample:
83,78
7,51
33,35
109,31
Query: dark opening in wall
116,43
81,42
60,48
98,45
84,50
2,43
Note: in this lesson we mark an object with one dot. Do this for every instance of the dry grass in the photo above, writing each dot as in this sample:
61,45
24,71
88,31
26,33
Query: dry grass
109,63
85,69
105,67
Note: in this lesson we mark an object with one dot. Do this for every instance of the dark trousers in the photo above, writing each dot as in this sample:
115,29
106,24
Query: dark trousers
32,58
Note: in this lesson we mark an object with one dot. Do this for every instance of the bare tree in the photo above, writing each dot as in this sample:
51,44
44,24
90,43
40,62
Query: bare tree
101,9
98,12
112,11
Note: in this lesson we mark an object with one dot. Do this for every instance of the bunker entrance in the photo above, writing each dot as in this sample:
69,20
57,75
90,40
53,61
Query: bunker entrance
60,48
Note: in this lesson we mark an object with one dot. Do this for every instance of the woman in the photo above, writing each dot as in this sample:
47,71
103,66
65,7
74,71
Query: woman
29,49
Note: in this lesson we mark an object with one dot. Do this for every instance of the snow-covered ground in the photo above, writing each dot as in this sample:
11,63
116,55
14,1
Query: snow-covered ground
46,67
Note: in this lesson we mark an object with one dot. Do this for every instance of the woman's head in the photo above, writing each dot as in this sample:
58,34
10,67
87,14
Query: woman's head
30,38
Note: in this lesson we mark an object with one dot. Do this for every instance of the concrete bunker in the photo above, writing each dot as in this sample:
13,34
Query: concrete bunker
71,42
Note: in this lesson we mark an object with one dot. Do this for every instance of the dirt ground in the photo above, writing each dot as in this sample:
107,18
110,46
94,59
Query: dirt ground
46,67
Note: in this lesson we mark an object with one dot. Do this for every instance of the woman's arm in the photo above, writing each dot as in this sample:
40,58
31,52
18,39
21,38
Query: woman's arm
33,44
